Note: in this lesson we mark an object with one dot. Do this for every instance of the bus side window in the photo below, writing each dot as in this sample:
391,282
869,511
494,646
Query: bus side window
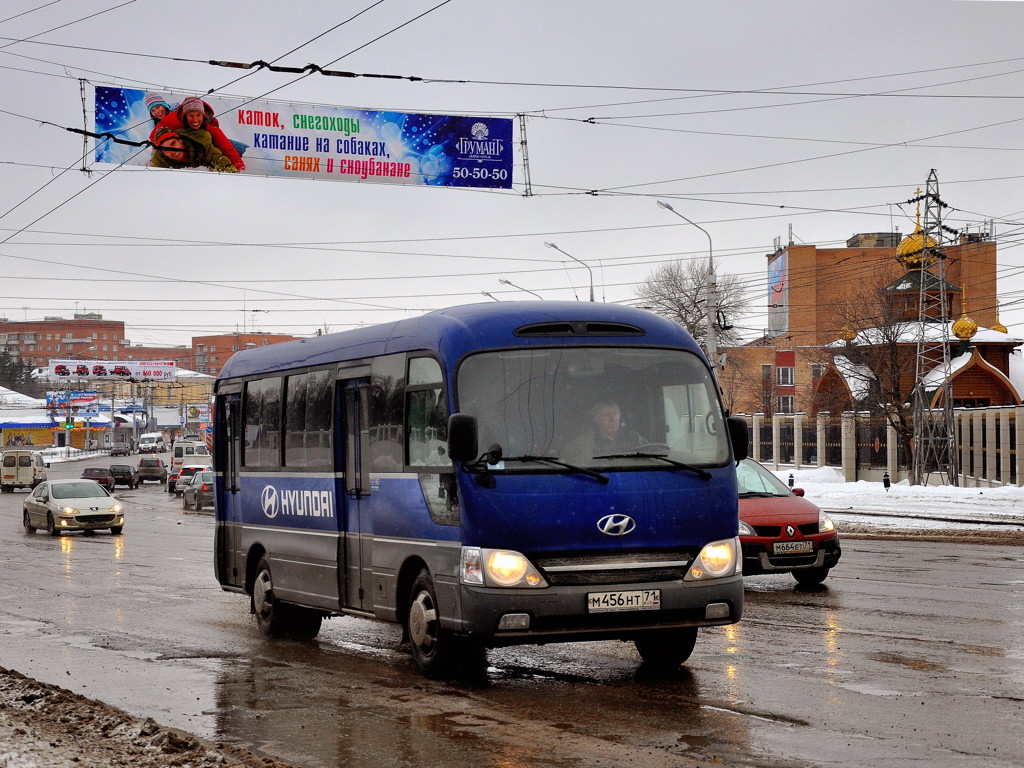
426,415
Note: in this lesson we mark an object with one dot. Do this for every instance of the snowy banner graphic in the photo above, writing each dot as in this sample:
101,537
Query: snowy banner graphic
261,138
128,370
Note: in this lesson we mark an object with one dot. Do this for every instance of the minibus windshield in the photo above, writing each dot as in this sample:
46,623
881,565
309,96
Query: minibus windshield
594,407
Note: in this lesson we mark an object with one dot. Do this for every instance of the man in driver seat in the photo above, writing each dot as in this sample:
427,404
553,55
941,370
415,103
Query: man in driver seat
606,438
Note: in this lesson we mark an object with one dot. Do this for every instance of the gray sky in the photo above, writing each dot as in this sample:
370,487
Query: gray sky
749,117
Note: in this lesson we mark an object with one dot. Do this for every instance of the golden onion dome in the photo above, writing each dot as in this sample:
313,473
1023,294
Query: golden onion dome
911,249
964,328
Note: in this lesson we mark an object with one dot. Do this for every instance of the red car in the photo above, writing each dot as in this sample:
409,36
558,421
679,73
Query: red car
101,475
782,532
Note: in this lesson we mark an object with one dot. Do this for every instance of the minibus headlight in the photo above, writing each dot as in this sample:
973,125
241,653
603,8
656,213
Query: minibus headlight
498,568
716,560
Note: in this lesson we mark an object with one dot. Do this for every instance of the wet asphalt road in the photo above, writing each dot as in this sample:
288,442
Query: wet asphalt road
911,654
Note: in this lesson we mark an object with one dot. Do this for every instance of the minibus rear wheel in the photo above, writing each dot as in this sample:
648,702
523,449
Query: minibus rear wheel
266,606
666,647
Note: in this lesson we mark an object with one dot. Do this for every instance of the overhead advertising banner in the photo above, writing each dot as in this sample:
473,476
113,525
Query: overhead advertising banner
112,370
302,141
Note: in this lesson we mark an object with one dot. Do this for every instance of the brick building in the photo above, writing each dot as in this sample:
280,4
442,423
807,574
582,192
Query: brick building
209,353
799,364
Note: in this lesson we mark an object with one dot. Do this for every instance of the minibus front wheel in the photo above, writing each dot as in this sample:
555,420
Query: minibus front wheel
666,648
436,651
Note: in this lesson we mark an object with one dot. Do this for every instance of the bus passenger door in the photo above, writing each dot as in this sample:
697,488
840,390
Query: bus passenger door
357,547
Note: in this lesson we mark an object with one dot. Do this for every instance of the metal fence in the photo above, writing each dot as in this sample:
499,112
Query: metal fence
865,447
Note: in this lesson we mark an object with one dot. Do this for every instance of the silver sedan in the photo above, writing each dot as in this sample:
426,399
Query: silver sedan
72,505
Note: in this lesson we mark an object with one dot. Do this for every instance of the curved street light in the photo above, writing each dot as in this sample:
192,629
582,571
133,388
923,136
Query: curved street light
712,290
552,245
503,281
489,296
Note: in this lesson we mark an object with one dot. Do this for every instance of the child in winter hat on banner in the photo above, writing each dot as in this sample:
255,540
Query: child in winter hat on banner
197,115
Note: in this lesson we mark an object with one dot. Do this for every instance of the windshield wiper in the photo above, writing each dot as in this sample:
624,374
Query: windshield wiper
603,479
703,474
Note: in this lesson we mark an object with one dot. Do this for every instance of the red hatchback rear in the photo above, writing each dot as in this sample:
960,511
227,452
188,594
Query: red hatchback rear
780,531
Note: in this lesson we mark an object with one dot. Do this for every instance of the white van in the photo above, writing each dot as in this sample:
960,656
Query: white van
21,469
190,453
152,442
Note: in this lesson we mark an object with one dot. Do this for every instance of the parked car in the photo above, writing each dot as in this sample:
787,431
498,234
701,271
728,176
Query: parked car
124,474
198,491
21,468
151,468
176,480
780,531
101,475
120,449
72,505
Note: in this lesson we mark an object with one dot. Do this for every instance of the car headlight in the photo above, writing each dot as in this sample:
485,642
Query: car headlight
716,560
825,524
116,509
747,530
68,511
498,568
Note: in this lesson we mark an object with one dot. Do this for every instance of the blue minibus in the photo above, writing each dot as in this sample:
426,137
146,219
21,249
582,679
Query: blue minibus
485,475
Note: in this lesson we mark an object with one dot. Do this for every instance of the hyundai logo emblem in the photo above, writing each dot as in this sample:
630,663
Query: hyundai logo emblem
616,525
790,530
268,501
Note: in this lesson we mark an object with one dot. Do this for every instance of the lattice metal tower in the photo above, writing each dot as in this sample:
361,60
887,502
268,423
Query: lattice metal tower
935,444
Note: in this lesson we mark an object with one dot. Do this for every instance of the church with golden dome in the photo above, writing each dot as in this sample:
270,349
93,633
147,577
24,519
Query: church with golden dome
841,320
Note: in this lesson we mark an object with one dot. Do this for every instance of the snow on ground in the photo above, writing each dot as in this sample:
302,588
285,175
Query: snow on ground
932,506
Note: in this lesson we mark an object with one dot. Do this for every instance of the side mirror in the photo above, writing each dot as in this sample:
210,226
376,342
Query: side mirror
462,437
738,436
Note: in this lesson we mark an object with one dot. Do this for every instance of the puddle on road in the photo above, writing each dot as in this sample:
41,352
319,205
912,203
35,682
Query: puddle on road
910,662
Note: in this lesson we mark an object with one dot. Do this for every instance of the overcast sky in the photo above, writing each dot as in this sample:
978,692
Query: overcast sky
750,117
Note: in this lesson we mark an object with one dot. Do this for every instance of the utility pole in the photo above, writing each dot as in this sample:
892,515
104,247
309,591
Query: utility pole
935,443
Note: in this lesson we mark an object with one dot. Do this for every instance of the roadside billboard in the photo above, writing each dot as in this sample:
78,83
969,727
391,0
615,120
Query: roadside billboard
112,370
266,138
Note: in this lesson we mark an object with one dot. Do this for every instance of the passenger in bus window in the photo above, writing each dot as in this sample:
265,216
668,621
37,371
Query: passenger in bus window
606,437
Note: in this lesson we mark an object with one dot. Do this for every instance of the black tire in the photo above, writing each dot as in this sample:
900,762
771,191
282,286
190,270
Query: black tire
51,527
810,577
303,623
666,648
27,522
184,503
198,506
270,612
116,529
433,648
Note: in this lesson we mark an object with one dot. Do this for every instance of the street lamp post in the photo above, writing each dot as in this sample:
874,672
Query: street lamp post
552,245
525,290
711,296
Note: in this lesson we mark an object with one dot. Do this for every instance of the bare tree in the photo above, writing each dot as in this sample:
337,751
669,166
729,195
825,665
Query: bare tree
677,290
879,328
